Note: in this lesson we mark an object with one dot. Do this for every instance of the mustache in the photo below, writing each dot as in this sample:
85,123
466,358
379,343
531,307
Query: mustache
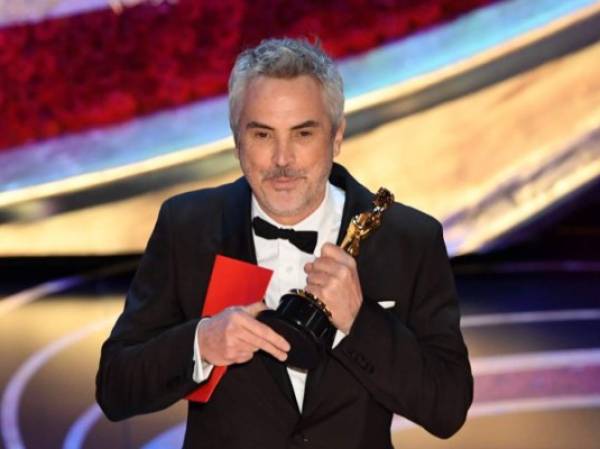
282,172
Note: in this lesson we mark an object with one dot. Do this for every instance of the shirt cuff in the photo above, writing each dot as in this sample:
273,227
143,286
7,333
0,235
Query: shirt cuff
203,369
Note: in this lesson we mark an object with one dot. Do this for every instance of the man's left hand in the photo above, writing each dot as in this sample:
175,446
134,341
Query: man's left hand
333,279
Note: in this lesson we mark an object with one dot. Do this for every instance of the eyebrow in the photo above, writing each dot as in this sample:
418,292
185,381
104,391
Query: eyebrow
253,124
306,124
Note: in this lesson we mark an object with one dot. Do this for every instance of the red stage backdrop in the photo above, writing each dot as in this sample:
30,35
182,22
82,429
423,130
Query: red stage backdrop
92,69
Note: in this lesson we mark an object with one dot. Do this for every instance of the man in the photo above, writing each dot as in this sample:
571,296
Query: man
286,114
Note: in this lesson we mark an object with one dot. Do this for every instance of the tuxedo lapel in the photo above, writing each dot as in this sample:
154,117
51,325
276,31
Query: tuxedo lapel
237,243
358,199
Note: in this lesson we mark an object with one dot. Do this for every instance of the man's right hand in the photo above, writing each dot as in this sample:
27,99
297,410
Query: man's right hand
234,335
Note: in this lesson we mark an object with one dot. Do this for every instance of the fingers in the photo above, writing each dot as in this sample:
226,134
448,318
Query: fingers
258,343
333,260
331,251
325,266
326,270
263,337
255,308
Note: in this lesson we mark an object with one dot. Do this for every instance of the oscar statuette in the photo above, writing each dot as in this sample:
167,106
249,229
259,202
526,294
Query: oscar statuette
303,319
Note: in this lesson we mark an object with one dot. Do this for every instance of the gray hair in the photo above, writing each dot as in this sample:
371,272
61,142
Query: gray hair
286,58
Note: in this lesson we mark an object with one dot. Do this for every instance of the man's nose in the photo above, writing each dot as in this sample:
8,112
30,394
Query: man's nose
283,153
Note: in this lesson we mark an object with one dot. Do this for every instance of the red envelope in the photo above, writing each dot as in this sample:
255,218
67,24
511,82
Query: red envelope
232,283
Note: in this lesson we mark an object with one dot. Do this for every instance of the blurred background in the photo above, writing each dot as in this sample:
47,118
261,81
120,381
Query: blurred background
485,114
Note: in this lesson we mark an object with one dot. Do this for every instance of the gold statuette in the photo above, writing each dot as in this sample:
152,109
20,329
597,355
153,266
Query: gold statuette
364,223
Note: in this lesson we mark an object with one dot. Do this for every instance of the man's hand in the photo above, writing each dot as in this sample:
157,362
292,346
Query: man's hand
234,335
334,280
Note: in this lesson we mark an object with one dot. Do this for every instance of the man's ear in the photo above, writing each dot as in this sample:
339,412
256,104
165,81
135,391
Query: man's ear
339,137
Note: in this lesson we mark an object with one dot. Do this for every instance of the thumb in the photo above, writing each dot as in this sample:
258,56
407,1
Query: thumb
255,308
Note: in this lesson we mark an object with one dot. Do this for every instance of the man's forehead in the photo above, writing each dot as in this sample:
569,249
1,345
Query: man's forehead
284,103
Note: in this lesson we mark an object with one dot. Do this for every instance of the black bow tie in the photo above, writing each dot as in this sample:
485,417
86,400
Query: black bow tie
303,240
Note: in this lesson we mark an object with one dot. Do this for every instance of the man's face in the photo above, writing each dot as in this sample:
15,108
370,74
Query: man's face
285,145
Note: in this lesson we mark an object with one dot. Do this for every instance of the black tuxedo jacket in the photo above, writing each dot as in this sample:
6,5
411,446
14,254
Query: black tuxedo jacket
409,359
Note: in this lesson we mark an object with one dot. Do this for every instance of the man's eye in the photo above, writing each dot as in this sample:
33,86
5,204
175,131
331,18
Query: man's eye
305,133
261,134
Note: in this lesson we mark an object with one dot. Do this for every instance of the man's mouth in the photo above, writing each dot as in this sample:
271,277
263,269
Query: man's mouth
283,182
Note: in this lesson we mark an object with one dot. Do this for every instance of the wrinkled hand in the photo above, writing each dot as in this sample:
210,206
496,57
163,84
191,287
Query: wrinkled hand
333,279
234,335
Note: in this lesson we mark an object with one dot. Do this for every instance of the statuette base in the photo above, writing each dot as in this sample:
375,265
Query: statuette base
305,325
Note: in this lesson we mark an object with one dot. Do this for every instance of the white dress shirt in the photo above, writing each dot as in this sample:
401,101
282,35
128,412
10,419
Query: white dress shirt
287,263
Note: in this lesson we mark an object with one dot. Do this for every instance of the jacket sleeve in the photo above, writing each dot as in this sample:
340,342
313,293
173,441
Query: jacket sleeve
418,367
146,364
